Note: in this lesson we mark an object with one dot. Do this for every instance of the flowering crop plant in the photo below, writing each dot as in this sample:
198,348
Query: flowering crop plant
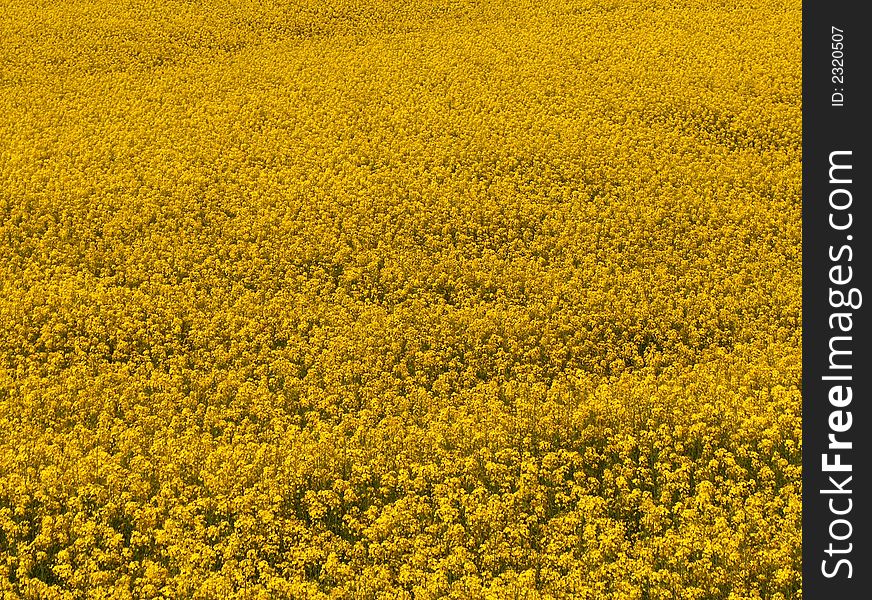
400,299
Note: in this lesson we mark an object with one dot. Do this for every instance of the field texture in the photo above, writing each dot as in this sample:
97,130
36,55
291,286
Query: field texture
390,299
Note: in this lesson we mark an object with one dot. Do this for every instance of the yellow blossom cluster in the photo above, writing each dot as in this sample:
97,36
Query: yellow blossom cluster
416,299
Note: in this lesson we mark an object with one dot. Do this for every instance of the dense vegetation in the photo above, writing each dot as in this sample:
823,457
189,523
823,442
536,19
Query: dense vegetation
395,299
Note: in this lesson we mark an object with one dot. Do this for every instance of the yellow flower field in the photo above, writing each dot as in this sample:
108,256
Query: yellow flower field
377,299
